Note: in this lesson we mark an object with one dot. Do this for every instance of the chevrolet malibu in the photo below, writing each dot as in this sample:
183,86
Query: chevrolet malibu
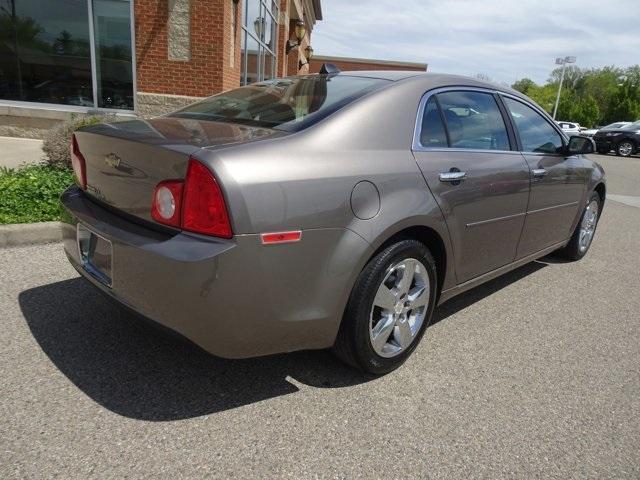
325,211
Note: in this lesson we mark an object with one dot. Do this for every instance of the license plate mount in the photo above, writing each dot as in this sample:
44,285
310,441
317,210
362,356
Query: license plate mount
96,254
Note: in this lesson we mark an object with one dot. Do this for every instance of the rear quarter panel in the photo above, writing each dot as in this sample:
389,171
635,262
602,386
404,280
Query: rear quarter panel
305,180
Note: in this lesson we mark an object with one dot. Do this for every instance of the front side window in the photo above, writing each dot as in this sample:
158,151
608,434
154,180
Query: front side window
289,104
473,121
536,134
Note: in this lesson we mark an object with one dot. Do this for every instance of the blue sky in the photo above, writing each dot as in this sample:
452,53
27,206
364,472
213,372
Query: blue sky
505,40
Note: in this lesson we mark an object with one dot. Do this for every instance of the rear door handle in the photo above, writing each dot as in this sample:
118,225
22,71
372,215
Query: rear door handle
452,176
538,172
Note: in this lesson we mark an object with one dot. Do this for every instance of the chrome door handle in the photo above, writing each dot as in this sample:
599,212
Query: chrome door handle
538,172
452,176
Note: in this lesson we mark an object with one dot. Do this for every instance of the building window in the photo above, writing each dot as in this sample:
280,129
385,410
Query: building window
258,40
112,33
70,52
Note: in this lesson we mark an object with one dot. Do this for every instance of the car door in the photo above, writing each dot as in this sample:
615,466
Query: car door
463,147
557,179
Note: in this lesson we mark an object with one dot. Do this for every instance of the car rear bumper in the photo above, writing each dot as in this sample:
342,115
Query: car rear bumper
235,298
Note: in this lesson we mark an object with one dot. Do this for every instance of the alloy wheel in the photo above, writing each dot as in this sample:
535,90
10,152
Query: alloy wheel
588,225
399,307
625,149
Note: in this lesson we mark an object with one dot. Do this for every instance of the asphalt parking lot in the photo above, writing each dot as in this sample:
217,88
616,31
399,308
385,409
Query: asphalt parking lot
536,374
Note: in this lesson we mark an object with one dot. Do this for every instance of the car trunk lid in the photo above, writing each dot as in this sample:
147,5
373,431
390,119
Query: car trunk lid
125,161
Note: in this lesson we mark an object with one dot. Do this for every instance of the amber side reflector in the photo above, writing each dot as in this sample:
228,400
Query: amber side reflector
281,237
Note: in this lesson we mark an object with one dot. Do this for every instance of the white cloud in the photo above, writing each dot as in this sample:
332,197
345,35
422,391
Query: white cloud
505,40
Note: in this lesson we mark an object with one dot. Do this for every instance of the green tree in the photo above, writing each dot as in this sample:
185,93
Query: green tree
589,112
545,96
591,97
572,75
524,85
626,102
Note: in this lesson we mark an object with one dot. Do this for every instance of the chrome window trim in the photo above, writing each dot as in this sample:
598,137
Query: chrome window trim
464,150
418,147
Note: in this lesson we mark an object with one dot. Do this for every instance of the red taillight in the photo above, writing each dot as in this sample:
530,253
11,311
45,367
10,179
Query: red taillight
204,209
167,203
78,163
196,205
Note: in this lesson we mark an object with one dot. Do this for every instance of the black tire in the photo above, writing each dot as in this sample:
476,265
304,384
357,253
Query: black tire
353,343
623,150
572,250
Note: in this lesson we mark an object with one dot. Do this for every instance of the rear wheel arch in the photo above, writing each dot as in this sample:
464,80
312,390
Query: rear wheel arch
428,237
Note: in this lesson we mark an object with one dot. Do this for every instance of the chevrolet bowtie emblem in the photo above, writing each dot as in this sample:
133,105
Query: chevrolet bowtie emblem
112,160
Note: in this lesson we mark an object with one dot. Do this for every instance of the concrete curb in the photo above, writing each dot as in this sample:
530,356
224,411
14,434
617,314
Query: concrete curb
30,234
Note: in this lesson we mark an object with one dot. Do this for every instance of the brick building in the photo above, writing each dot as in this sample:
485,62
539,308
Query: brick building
194,48
63,57
346,63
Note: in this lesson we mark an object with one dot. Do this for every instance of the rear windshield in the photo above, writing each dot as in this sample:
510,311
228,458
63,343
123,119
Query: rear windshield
289,104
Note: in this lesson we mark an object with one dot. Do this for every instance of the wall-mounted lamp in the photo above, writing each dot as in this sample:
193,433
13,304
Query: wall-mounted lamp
308,55
259,25
300,30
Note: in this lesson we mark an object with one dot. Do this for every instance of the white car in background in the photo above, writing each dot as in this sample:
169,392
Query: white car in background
569,127
612,126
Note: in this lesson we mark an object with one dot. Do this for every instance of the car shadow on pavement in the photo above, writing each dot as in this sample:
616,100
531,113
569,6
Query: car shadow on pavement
141,372
476,294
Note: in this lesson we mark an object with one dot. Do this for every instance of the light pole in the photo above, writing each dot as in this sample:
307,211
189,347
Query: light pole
563,62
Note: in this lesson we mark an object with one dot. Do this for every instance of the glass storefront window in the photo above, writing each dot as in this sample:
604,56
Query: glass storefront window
252,72
112,33
259,36
46,51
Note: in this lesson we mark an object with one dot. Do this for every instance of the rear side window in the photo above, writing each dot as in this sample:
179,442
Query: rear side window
433,133
536,134
474,121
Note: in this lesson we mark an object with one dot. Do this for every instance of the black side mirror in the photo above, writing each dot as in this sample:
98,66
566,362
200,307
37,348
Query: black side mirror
579,144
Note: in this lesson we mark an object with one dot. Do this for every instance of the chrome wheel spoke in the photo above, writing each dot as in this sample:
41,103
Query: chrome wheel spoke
407,276
382,331
385,298
402,334
419,297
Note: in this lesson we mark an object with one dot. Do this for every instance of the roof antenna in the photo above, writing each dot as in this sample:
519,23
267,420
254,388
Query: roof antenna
328,69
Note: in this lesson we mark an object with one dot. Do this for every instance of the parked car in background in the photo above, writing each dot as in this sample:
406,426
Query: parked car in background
625,141
569,127
325,211
590,132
